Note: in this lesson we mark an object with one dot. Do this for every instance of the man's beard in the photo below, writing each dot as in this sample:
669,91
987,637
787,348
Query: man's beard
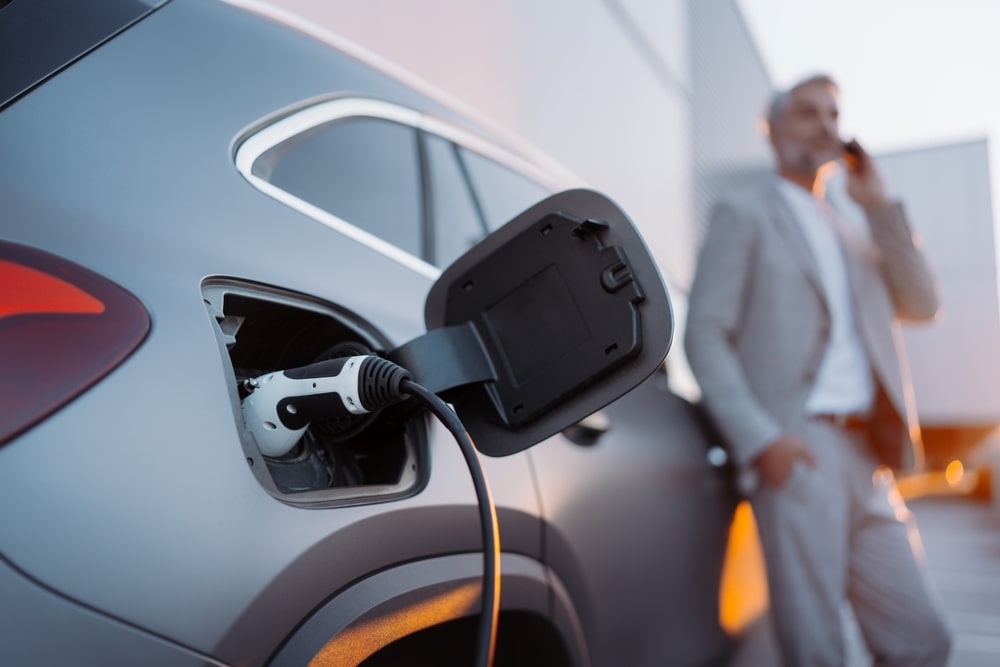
797,158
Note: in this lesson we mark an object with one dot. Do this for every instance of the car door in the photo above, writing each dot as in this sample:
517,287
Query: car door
636,519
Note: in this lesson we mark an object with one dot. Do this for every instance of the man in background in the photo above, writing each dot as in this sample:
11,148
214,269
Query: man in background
793,336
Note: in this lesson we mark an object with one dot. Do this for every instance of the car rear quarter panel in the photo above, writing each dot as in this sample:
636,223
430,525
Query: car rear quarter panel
136,499
637,526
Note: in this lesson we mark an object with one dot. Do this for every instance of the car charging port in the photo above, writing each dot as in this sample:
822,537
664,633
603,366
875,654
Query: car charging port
341,459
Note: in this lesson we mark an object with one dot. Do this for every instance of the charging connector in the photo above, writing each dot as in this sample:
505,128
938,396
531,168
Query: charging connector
281,405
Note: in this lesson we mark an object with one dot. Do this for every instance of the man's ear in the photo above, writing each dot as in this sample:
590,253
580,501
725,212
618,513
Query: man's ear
770,132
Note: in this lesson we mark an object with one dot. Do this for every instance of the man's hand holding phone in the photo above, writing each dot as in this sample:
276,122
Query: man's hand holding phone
864,184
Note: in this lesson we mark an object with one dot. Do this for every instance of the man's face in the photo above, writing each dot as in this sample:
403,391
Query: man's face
806,135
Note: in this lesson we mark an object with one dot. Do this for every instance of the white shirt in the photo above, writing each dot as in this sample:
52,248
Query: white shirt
844,383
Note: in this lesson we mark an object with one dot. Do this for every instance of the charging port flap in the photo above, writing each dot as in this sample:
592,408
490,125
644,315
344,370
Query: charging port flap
550,318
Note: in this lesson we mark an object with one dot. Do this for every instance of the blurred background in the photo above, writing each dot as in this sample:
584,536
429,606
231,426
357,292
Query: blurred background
658,103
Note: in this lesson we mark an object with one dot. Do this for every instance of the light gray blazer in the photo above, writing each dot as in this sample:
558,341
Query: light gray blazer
758,322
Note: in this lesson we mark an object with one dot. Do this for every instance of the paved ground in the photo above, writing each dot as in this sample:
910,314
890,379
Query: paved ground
962,542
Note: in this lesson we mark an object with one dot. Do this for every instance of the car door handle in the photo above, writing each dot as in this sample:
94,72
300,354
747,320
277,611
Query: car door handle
588,430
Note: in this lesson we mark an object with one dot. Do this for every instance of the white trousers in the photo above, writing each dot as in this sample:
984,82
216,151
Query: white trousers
841,531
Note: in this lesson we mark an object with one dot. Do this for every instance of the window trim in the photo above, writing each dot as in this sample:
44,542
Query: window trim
428,232
266,136
484,224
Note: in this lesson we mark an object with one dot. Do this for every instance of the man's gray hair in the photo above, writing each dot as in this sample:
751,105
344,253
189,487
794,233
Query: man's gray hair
780,99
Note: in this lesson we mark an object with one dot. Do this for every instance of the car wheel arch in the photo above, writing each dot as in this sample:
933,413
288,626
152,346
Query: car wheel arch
373,613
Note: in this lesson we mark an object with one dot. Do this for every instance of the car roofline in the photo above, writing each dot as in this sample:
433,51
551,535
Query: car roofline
532,155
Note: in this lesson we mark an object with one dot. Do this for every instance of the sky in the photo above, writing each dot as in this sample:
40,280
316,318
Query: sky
912,73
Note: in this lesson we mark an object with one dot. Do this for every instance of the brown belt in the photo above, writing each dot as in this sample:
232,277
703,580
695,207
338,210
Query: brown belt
848,422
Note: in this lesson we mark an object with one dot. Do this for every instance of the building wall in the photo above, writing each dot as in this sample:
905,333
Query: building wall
642,99
600,85
730,90
658,103
955,359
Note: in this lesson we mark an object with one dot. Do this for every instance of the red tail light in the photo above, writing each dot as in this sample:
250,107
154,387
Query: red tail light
62,328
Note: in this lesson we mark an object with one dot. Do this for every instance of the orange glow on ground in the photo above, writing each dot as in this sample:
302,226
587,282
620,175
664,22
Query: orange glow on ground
743,594
954,472
365,637
953,481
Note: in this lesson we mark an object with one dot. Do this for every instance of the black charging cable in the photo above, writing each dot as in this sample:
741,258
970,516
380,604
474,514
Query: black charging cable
280,406
489,615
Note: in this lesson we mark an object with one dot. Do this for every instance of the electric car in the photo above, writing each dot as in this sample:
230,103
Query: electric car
199,202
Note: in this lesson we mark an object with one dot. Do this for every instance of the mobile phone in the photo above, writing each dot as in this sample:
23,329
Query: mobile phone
852,154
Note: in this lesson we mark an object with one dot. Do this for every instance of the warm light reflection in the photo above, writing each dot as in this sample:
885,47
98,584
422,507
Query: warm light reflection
954,473
743,594
367,636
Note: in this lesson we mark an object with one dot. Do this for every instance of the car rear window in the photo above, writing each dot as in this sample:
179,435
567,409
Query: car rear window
364,170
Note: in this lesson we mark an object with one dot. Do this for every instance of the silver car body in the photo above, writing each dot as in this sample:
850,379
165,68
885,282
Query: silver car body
138,527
